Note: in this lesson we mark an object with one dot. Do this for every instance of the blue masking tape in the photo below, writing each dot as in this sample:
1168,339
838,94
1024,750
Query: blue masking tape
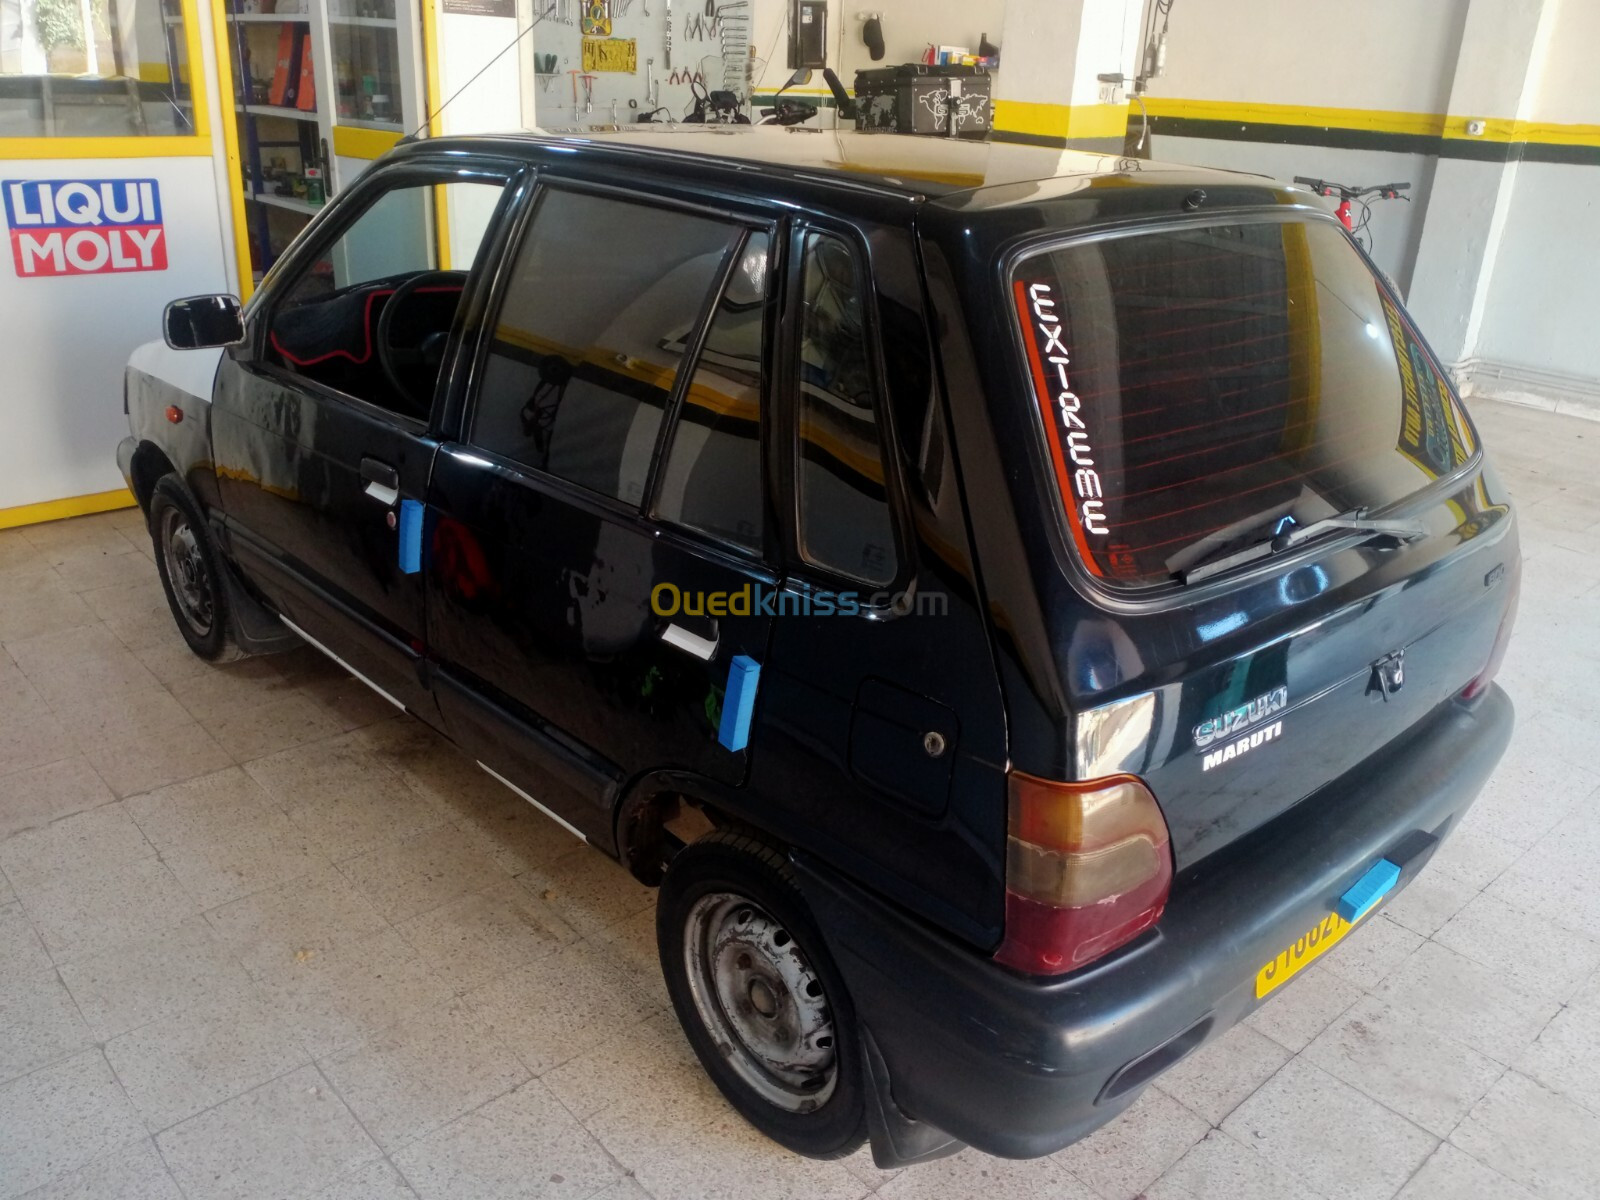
739,702
411,536
1368,890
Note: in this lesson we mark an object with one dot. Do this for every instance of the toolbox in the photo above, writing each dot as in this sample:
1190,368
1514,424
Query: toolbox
919,98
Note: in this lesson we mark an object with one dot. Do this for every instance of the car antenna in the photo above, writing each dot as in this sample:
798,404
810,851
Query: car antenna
521,33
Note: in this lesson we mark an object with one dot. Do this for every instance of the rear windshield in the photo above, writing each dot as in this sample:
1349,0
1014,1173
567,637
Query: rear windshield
1200,384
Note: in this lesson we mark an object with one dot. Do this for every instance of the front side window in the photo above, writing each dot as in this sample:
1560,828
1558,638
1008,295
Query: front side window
604,301
1202,388
370,316
843,496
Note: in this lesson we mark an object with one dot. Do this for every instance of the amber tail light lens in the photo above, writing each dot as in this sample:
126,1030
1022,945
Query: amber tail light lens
1088,868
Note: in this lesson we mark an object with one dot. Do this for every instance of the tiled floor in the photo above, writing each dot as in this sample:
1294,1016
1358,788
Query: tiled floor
259,938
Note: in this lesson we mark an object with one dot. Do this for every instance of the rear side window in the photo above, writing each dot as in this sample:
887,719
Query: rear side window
711,475
1198,385
843,498
603,303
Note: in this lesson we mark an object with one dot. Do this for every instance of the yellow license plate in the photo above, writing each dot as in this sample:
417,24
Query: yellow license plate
1309,947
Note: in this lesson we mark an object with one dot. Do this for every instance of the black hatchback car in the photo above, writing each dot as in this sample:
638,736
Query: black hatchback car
1021,607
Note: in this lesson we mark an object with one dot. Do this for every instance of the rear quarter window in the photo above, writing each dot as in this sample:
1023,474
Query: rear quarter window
1200,384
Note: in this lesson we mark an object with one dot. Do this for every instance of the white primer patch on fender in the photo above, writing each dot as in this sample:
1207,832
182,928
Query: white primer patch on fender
192,372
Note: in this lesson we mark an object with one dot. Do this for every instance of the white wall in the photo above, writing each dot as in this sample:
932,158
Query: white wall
1544,294
1375,54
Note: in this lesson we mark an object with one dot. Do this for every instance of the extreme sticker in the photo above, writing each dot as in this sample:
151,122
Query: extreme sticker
84,226
1062,408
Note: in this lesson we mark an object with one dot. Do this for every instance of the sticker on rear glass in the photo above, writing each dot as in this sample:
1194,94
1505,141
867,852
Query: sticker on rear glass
1240,730
1070,447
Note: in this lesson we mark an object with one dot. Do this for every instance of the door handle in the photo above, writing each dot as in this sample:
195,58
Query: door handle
692,643
382,481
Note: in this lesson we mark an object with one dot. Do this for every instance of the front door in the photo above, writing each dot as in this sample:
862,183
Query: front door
602,530
321,428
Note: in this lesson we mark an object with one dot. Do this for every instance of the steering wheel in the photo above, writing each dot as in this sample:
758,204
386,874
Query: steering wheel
415,369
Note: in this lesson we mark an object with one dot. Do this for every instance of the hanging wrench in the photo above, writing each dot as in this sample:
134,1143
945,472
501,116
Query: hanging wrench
649,77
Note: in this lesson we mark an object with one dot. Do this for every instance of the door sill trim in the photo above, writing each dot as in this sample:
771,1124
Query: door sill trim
312,642
556,817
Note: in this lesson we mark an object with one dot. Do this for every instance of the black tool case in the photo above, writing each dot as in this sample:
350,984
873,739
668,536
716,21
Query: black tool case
917,98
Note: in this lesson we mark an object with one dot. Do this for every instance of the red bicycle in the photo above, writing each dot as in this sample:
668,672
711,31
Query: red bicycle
1351,196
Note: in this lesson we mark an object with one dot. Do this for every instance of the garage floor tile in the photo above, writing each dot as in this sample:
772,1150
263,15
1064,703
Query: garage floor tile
288,1137
1305,1121
314,951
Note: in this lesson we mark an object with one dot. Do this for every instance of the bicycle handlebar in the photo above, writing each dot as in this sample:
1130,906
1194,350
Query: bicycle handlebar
1346,192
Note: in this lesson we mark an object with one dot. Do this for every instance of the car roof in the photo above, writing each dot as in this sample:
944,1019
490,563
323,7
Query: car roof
922,168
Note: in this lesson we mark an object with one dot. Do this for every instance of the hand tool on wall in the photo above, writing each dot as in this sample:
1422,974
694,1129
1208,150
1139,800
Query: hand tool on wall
649,76
588,93
667,61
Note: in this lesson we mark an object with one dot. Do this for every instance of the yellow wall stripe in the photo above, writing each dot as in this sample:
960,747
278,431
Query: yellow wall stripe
72,506
230,148
1061,120
352,141
1376,120
433,96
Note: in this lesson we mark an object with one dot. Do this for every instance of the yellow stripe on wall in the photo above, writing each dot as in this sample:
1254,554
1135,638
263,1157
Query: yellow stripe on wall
1061,120
1376,120
72,506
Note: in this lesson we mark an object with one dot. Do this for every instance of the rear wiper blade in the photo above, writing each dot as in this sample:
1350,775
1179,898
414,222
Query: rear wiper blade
1356,520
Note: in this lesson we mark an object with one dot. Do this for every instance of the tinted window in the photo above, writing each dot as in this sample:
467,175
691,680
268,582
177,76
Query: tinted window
711,479
327,326
844,507
1199,386
604,299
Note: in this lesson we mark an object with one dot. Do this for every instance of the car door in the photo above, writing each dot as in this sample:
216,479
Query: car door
602,529
321,423
881,742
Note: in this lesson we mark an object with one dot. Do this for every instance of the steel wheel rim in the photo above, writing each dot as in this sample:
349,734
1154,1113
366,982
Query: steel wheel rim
187,572
761,1001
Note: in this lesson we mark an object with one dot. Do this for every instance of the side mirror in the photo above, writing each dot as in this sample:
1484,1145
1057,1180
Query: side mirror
200,322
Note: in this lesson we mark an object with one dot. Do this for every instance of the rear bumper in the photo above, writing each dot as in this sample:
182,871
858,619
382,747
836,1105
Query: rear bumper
1020,1067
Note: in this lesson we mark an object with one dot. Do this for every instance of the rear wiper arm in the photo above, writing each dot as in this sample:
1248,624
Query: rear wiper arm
1355,520
1406,531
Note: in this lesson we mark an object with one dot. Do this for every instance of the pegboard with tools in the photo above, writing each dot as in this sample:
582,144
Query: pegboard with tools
604,62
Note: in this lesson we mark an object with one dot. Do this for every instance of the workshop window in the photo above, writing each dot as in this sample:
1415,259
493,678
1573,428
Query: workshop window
94,68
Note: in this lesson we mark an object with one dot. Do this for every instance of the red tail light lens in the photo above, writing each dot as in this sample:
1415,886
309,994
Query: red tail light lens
1502,639
1088,868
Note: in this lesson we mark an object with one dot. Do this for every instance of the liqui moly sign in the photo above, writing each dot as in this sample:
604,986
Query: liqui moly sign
84,226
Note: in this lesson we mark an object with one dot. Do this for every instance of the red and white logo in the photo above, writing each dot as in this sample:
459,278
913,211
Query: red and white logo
84,226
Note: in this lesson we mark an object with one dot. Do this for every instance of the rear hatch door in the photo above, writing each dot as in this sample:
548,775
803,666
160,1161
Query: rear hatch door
1204,387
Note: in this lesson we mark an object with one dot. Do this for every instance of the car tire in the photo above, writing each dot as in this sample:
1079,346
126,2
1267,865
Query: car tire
191,570
758,995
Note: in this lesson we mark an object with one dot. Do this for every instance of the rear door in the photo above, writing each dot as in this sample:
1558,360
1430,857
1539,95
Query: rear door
603,531
1203,388
322,433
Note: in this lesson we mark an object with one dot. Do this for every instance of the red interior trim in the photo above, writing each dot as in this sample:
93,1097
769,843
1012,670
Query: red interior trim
366,326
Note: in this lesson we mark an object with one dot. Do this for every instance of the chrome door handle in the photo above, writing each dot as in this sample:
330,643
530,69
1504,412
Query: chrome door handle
691,643
382,481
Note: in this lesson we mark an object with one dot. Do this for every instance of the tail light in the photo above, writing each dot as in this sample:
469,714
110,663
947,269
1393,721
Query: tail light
1088,868
1502,638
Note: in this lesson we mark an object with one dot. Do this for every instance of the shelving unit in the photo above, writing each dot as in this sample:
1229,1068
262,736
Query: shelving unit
366,78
